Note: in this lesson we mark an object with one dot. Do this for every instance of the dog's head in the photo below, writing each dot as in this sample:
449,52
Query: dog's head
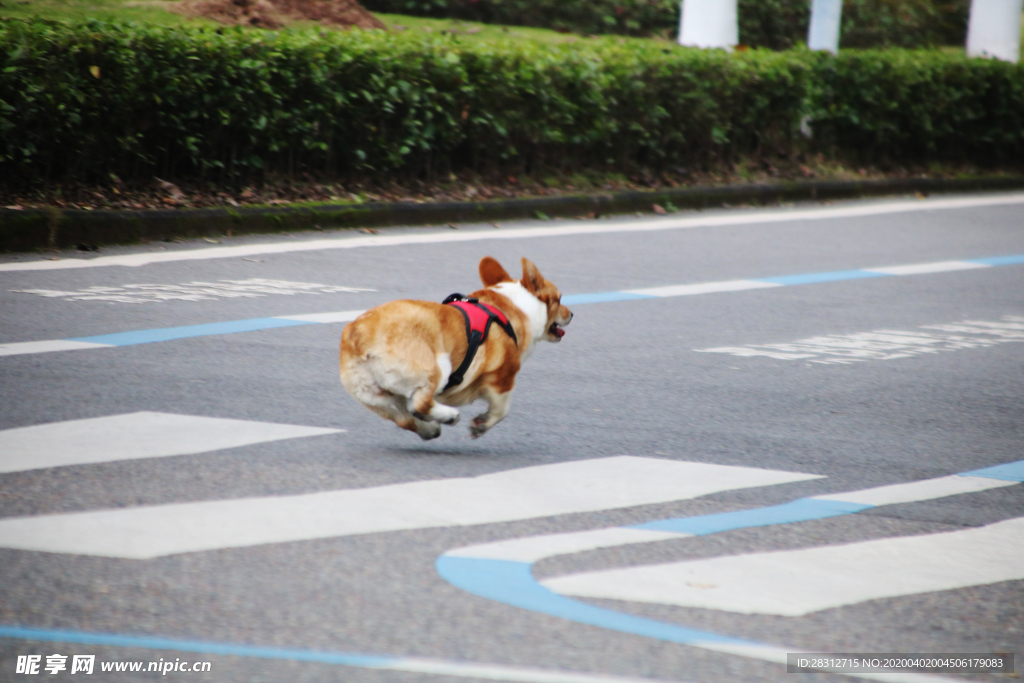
533,282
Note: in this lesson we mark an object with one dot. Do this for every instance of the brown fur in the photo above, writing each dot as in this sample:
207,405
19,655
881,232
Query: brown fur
390,354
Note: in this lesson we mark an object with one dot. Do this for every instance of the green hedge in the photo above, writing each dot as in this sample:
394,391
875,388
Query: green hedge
84,101
776,24
902,104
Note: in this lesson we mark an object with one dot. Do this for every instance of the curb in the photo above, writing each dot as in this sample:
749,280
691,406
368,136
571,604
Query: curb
25,230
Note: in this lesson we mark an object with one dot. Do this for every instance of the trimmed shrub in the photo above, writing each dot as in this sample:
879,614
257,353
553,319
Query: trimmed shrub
84,101
94,99
901,104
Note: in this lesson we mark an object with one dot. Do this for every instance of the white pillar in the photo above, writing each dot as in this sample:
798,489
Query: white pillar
823,33
994,29
709,23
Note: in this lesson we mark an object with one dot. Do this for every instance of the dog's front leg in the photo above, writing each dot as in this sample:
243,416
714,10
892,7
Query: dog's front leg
497,409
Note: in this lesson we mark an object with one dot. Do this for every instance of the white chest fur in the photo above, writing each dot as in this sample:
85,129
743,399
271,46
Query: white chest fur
533,308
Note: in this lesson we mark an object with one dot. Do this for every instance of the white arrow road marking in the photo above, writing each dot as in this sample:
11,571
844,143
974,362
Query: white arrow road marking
797,582
191,291
887,344
544,490
134,436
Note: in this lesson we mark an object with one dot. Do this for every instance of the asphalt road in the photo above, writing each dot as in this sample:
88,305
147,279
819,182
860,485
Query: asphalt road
782,375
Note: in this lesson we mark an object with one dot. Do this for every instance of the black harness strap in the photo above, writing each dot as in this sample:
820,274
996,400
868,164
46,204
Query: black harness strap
475,334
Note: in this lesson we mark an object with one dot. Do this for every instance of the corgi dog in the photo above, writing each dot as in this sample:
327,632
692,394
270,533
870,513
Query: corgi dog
397,359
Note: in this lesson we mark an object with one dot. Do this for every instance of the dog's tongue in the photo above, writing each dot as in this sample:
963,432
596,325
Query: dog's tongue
559,332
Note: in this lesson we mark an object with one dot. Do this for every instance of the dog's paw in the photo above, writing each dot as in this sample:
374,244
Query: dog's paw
428,430
445,414
478,427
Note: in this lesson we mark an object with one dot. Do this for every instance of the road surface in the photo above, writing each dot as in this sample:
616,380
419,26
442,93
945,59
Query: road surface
767,430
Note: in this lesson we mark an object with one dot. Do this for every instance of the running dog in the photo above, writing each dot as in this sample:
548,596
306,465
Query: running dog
397,359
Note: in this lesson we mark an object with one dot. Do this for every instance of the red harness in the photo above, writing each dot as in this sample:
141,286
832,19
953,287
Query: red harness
478,318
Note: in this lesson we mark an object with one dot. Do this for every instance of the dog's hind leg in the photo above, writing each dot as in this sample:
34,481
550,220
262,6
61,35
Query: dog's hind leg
398,383
395,410
422,401
362,382
426,408
498,405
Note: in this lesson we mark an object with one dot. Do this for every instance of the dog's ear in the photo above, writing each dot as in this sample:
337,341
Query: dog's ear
532,280
492,273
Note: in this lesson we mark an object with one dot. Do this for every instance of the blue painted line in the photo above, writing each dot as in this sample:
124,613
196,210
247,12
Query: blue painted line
512,583
801,510
254,324
169,333
1011,471
198,646
999,260
814,278
602,297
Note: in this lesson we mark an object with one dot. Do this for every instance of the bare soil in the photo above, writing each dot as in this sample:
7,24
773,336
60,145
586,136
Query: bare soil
274,14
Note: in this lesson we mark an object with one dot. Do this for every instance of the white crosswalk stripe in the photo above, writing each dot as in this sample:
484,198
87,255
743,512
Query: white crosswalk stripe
134,436
530,492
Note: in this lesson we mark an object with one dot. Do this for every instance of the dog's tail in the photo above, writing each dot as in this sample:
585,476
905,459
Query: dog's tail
355,367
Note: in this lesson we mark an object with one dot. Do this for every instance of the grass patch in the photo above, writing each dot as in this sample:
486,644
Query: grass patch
161,13
474,32
143,11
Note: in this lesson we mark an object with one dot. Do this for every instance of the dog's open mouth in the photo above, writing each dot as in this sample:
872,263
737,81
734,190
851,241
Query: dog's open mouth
556,331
